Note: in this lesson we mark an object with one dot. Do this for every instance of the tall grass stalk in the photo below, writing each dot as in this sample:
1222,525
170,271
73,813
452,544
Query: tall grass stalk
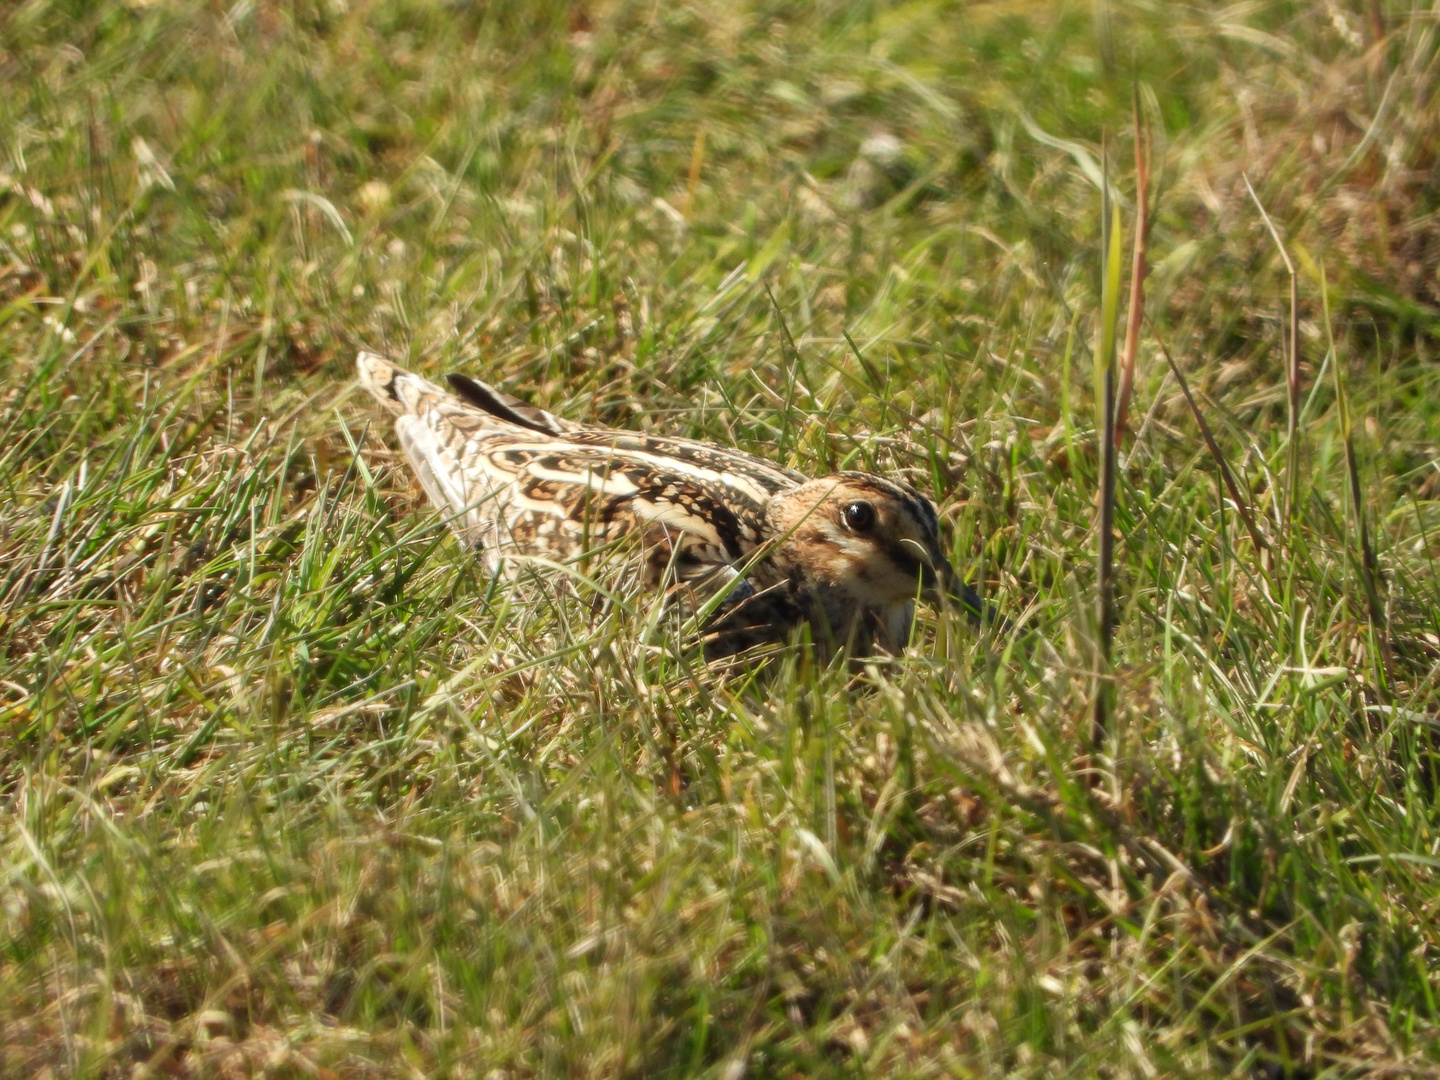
1107,434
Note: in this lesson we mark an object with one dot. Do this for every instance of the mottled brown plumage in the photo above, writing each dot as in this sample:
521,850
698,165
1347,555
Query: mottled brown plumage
846,554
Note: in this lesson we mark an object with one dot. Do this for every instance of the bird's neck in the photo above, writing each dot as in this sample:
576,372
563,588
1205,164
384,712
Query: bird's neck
839,617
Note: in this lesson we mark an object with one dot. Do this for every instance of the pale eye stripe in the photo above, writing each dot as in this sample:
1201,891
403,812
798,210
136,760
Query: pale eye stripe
844,541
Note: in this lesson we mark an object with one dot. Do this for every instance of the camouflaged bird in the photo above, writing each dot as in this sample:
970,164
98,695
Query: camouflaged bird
846,554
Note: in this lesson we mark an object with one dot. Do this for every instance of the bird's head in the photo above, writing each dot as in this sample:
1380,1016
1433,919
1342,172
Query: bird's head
871,543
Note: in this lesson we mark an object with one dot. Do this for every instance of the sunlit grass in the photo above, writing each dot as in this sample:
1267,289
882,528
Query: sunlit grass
293,787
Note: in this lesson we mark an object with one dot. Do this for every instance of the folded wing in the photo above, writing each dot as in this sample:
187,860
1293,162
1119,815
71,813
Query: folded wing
519,482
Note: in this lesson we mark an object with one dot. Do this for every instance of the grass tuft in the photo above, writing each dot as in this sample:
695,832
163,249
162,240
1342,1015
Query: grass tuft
292,787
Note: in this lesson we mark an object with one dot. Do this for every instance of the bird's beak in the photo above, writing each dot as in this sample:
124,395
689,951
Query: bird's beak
940,583
944,581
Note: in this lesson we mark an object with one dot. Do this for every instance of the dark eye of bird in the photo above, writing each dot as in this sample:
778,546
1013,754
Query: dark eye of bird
860,516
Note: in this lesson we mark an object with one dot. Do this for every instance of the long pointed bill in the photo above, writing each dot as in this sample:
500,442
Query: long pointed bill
952,587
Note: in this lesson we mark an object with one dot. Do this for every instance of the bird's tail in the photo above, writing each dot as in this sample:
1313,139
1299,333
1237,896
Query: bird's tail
406,394
401,392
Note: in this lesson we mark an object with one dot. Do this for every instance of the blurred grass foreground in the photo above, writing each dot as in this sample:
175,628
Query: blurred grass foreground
293,789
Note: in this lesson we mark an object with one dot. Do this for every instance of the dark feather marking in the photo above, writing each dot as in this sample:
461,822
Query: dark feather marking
507,408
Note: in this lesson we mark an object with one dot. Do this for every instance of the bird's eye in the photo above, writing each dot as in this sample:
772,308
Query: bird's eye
860,516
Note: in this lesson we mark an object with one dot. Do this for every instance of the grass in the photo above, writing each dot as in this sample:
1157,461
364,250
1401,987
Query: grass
293,789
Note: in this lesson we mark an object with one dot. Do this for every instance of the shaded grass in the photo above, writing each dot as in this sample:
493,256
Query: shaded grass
292,787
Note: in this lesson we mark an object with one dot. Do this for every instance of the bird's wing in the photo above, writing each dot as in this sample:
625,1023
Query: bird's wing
743,477
507,407
751,477
558,498
518,479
